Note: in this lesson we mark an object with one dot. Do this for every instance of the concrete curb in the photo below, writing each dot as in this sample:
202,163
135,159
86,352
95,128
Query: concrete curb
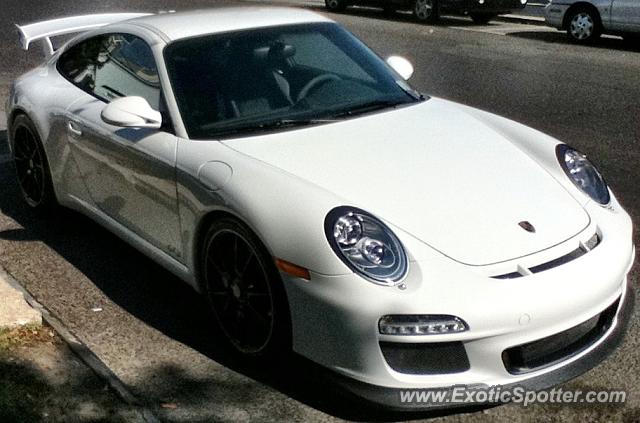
82,351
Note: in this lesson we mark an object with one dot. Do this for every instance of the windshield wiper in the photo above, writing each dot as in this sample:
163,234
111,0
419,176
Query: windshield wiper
369,106
274,124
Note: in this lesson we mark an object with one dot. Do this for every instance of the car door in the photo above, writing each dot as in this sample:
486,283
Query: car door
128,172
625,15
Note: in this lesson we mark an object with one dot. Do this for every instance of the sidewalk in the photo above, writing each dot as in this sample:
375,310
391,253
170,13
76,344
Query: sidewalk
14,310
41,378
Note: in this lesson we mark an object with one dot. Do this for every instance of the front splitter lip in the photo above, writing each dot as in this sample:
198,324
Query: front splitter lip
390,399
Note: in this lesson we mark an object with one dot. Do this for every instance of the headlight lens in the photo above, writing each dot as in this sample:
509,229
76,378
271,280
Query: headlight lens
366,245
583,173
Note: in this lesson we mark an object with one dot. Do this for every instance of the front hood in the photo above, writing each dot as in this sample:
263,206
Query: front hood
435,172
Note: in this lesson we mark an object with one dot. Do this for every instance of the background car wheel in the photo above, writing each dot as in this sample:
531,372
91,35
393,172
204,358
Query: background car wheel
336,5
245,291
482,18
425,10
583,25
32,168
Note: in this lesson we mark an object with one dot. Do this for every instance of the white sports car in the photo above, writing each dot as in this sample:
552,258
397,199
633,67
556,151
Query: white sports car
272,161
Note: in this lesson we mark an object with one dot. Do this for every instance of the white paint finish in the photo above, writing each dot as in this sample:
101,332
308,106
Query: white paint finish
438,173
215,175
455,177
199,22
401,65
131,112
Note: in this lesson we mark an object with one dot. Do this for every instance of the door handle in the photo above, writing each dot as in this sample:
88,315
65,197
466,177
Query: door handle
74,129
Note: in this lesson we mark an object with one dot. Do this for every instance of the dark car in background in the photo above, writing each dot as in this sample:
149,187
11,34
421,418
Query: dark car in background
481,11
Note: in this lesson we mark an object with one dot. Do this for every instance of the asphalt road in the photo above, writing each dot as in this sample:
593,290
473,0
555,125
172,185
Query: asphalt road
154,332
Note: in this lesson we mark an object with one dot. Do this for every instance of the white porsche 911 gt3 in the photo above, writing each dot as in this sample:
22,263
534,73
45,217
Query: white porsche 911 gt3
271,160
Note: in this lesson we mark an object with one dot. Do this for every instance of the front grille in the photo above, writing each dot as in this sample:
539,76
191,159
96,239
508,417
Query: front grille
425,358
559,347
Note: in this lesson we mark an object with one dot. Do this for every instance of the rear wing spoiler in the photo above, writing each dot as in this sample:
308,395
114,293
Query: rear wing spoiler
46,29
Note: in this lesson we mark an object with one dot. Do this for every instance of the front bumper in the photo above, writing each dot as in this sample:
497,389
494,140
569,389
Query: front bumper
335,318
554,14
391,398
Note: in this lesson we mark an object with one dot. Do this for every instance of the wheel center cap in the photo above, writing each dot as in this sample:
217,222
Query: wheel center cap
235,290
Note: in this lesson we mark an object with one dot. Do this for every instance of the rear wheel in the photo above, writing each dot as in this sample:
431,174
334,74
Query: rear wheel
482,18
245,291
336,5
425,10
32,168
583,25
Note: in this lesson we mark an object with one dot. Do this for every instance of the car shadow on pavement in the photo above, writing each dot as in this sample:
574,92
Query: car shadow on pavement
4,147
561,38
154,296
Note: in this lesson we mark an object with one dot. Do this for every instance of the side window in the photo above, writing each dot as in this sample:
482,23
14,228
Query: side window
111,66
78,64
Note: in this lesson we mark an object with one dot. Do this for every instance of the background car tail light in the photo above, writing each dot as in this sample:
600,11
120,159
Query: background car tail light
421,324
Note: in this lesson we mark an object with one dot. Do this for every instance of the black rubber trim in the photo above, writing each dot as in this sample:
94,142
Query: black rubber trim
577,253
546,352
388,399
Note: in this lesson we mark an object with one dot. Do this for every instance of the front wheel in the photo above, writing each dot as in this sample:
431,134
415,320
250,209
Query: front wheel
32,167
336,5
245,291
482,18
425,10
583,26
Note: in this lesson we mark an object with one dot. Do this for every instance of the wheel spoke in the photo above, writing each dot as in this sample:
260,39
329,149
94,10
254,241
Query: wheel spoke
242,272
264,320
239,291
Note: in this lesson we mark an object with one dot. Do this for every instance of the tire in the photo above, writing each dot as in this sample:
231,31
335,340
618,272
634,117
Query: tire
482,18
583,25
425,10
32,167
336,5
245,292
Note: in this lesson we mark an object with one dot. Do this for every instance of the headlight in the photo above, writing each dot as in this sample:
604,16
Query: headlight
366,245
583,174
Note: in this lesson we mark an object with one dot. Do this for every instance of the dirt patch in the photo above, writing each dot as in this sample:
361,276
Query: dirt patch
42,380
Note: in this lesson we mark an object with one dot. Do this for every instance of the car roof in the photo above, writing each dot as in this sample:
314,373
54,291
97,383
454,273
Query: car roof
174,26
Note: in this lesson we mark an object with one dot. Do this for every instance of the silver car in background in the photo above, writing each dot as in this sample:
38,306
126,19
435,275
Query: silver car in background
586,20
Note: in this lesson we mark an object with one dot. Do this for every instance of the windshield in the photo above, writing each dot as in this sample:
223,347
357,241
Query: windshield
266,78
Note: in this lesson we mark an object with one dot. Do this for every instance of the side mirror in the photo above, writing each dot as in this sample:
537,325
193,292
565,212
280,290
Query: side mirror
131,112
401,65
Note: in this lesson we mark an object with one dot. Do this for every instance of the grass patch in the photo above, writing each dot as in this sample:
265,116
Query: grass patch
24,336
21,388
